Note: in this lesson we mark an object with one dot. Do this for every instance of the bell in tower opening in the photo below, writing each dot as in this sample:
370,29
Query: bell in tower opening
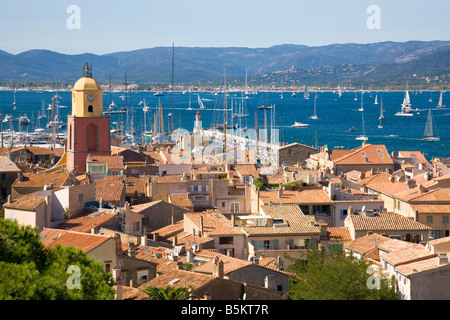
88,130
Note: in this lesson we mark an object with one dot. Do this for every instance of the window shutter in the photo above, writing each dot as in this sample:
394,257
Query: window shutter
342,214
275,244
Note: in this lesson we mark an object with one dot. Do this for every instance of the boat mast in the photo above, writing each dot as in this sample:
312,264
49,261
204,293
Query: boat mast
173,59
225,112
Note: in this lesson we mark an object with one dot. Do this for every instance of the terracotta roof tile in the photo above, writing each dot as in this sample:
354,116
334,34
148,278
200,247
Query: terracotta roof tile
339,234
109,189
381,221
419,266
375,154
27,202
178,279
181,199
6,165
39,180
307,195
214,223
412,254
85,221
367,243
85,241
297,222
136,185
112,162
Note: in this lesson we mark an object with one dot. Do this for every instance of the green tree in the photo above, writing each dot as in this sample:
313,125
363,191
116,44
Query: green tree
336,276
28,271
168,293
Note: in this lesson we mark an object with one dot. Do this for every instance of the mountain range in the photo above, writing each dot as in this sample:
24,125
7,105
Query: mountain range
382,62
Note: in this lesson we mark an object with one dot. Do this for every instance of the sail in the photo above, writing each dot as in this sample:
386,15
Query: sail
440,101
200,102
407,100
429,133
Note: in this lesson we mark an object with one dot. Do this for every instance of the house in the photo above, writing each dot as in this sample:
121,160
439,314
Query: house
365,158
391,224
34,155
182,200
28,183
279,229
441,245
419,272
313,200
100,166
49,208
136,190
158,214
9,172
238,270
111,190
210,287
102,248
228,239
294,153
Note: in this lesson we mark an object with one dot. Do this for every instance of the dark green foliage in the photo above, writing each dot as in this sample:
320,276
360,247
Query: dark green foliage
335,276
30,272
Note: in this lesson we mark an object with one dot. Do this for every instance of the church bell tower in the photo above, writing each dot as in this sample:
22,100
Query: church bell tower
88,130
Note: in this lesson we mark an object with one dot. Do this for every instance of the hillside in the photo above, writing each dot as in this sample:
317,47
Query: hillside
383,61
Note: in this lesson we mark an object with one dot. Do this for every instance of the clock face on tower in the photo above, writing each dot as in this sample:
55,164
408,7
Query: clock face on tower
90,97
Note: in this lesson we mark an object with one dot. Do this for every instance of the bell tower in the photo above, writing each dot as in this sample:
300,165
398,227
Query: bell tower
88,130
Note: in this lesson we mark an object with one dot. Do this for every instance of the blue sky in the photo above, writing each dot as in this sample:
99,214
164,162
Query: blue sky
110,26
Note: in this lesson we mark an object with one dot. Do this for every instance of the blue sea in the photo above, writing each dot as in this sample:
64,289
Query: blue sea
335,115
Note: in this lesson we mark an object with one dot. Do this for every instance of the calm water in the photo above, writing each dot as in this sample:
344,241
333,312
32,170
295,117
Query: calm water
336,115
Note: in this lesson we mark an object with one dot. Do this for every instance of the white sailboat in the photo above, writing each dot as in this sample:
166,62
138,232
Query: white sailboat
314,116
340,91
200,103
430,133
376,99
306,93
406,107
440,105
189,108
381,114
362,137
356,96
362,99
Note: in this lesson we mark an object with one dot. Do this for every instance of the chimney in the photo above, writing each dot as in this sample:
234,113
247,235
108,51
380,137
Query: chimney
180,265
9,198
190,256
362,175
94,229
422,189
232,220
230,252
280,191
174,241
144,240
155,236
279,263
443,259
369,233
351,211
131,249
116,273
255,260
269,283
119,250
392,178
217,267
201,226
411,183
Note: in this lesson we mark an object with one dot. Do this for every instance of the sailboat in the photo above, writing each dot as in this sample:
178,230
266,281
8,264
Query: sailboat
340,91
14,103
356,96
406,107
376,99
306,94
440,105
431,96
381,114
362,107
429,134
189,108
200,103
314,116
363,137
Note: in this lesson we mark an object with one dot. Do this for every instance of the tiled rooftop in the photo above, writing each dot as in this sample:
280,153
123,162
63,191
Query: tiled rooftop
214,222
305,195
39,180
297,222
109,189
112,162
27,202
85,241
85,221
384,221
181,199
